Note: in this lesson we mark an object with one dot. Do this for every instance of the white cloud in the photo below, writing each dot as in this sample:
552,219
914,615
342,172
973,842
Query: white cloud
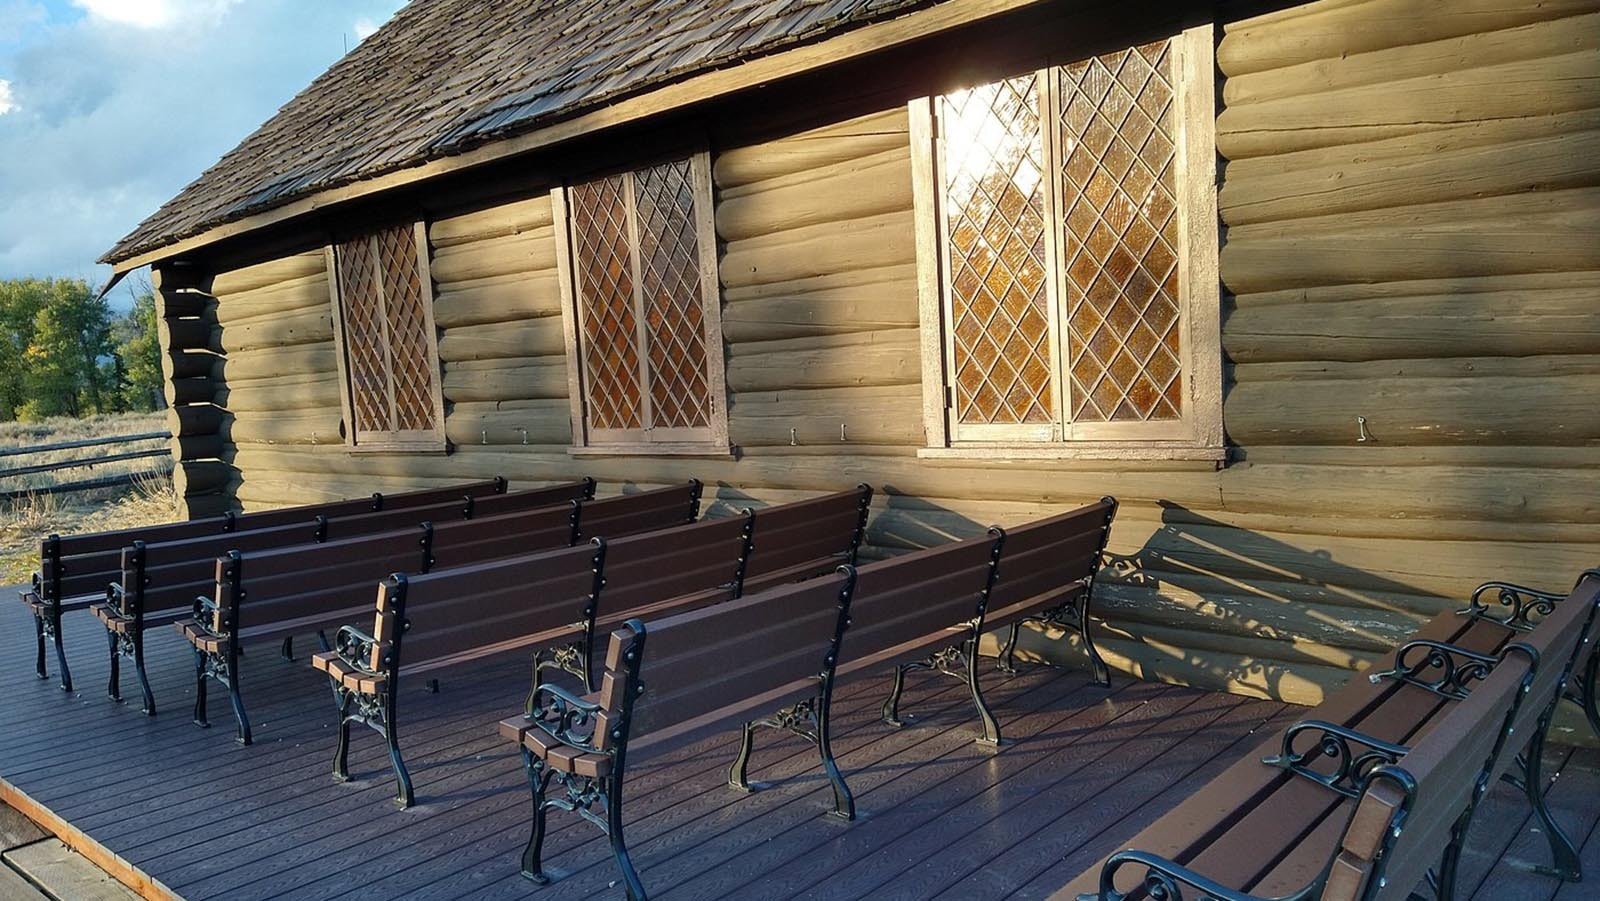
364,28
155,13
107,122
8,103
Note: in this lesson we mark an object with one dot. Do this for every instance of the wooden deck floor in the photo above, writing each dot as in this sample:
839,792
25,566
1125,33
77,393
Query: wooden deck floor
941,817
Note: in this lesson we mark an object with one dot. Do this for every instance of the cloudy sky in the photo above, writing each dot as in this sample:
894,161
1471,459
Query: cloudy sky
110,107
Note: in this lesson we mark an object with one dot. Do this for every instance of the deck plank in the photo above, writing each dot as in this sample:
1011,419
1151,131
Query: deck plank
1085,770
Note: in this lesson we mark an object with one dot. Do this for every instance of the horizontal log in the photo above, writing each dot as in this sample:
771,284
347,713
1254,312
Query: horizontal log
1483,324
275,299
1464,369
195,477
524,422
531,251
292,391
1329,30
513,379
201,506
1554,410
1550,243
273,272
1553,37
194,419
210,446
192,390
1350,115
308,326
869,243
283,427
269,364
503,298
186,302
1544,163
891,357
188,364
832,417
1444,286
855,189
496,222
525,338
188,334
830,145
1375,455
827,306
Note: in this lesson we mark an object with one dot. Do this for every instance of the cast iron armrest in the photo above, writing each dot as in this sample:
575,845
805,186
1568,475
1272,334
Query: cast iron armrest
1456,666
205,615
1162,879
117,598
1520,602
354,647
566,717
1354,754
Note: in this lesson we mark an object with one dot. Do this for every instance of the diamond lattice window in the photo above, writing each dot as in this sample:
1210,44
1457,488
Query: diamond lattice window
644,311
389,348
1077,300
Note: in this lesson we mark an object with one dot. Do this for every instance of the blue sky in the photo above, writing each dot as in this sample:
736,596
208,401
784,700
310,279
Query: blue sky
110,107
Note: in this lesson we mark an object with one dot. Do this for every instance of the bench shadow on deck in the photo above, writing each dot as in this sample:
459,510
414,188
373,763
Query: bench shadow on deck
940,816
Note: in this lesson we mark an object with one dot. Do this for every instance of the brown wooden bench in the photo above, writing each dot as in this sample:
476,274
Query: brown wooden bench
1304,819
74,569
670,681
275,595
554,603
943,599
159,580
1518,609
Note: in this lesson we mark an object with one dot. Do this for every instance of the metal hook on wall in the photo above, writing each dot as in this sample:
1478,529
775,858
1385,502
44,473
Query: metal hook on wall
524,436
1361,426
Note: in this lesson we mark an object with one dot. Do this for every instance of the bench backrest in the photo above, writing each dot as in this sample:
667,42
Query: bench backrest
169,575
1404,816
285,584
1054,556
288,584
701,558
459,508
704,663
807,538
74,565
472,609
643,511
1556,643
913,601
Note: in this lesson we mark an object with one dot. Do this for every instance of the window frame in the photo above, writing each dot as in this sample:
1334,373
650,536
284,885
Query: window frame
1198,435
420,441
710,440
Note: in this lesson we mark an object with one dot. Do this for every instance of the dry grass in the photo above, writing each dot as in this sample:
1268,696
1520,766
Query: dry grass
27,519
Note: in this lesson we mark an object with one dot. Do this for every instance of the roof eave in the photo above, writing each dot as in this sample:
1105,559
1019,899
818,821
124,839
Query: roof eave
678,95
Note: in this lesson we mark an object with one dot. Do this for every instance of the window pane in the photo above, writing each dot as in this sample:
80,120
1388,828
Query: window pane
1120,236
410,359
994,206
604,270
669,275
363,335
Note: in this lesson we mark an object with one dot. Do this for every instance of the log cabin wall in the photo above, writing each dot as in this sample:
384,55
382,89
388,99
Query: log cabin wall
1409,194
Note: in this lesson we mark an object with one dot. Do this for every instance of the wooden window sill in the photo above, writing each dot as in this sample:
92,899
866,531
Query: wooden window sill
1098,450
652,450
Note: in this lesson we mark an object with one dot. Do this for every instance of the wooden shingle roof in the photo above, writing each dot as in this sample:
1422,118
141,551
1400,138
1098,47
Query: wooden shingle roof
444,76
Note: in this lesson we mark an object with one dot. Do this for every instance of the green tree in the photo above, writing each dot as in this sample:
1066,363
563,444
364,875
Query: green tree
59,351
139,354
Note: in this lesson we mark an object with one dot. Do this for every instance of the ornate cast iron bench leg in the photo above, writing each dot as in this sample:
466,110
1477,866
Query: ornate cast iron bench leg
39,632
1565,864
539,782
52,627
805,720
114,681
958,660
143,674
341,751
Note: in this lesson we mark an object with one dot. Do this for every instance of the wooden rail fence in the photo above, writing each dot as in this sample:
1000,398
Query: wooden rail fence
85,463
